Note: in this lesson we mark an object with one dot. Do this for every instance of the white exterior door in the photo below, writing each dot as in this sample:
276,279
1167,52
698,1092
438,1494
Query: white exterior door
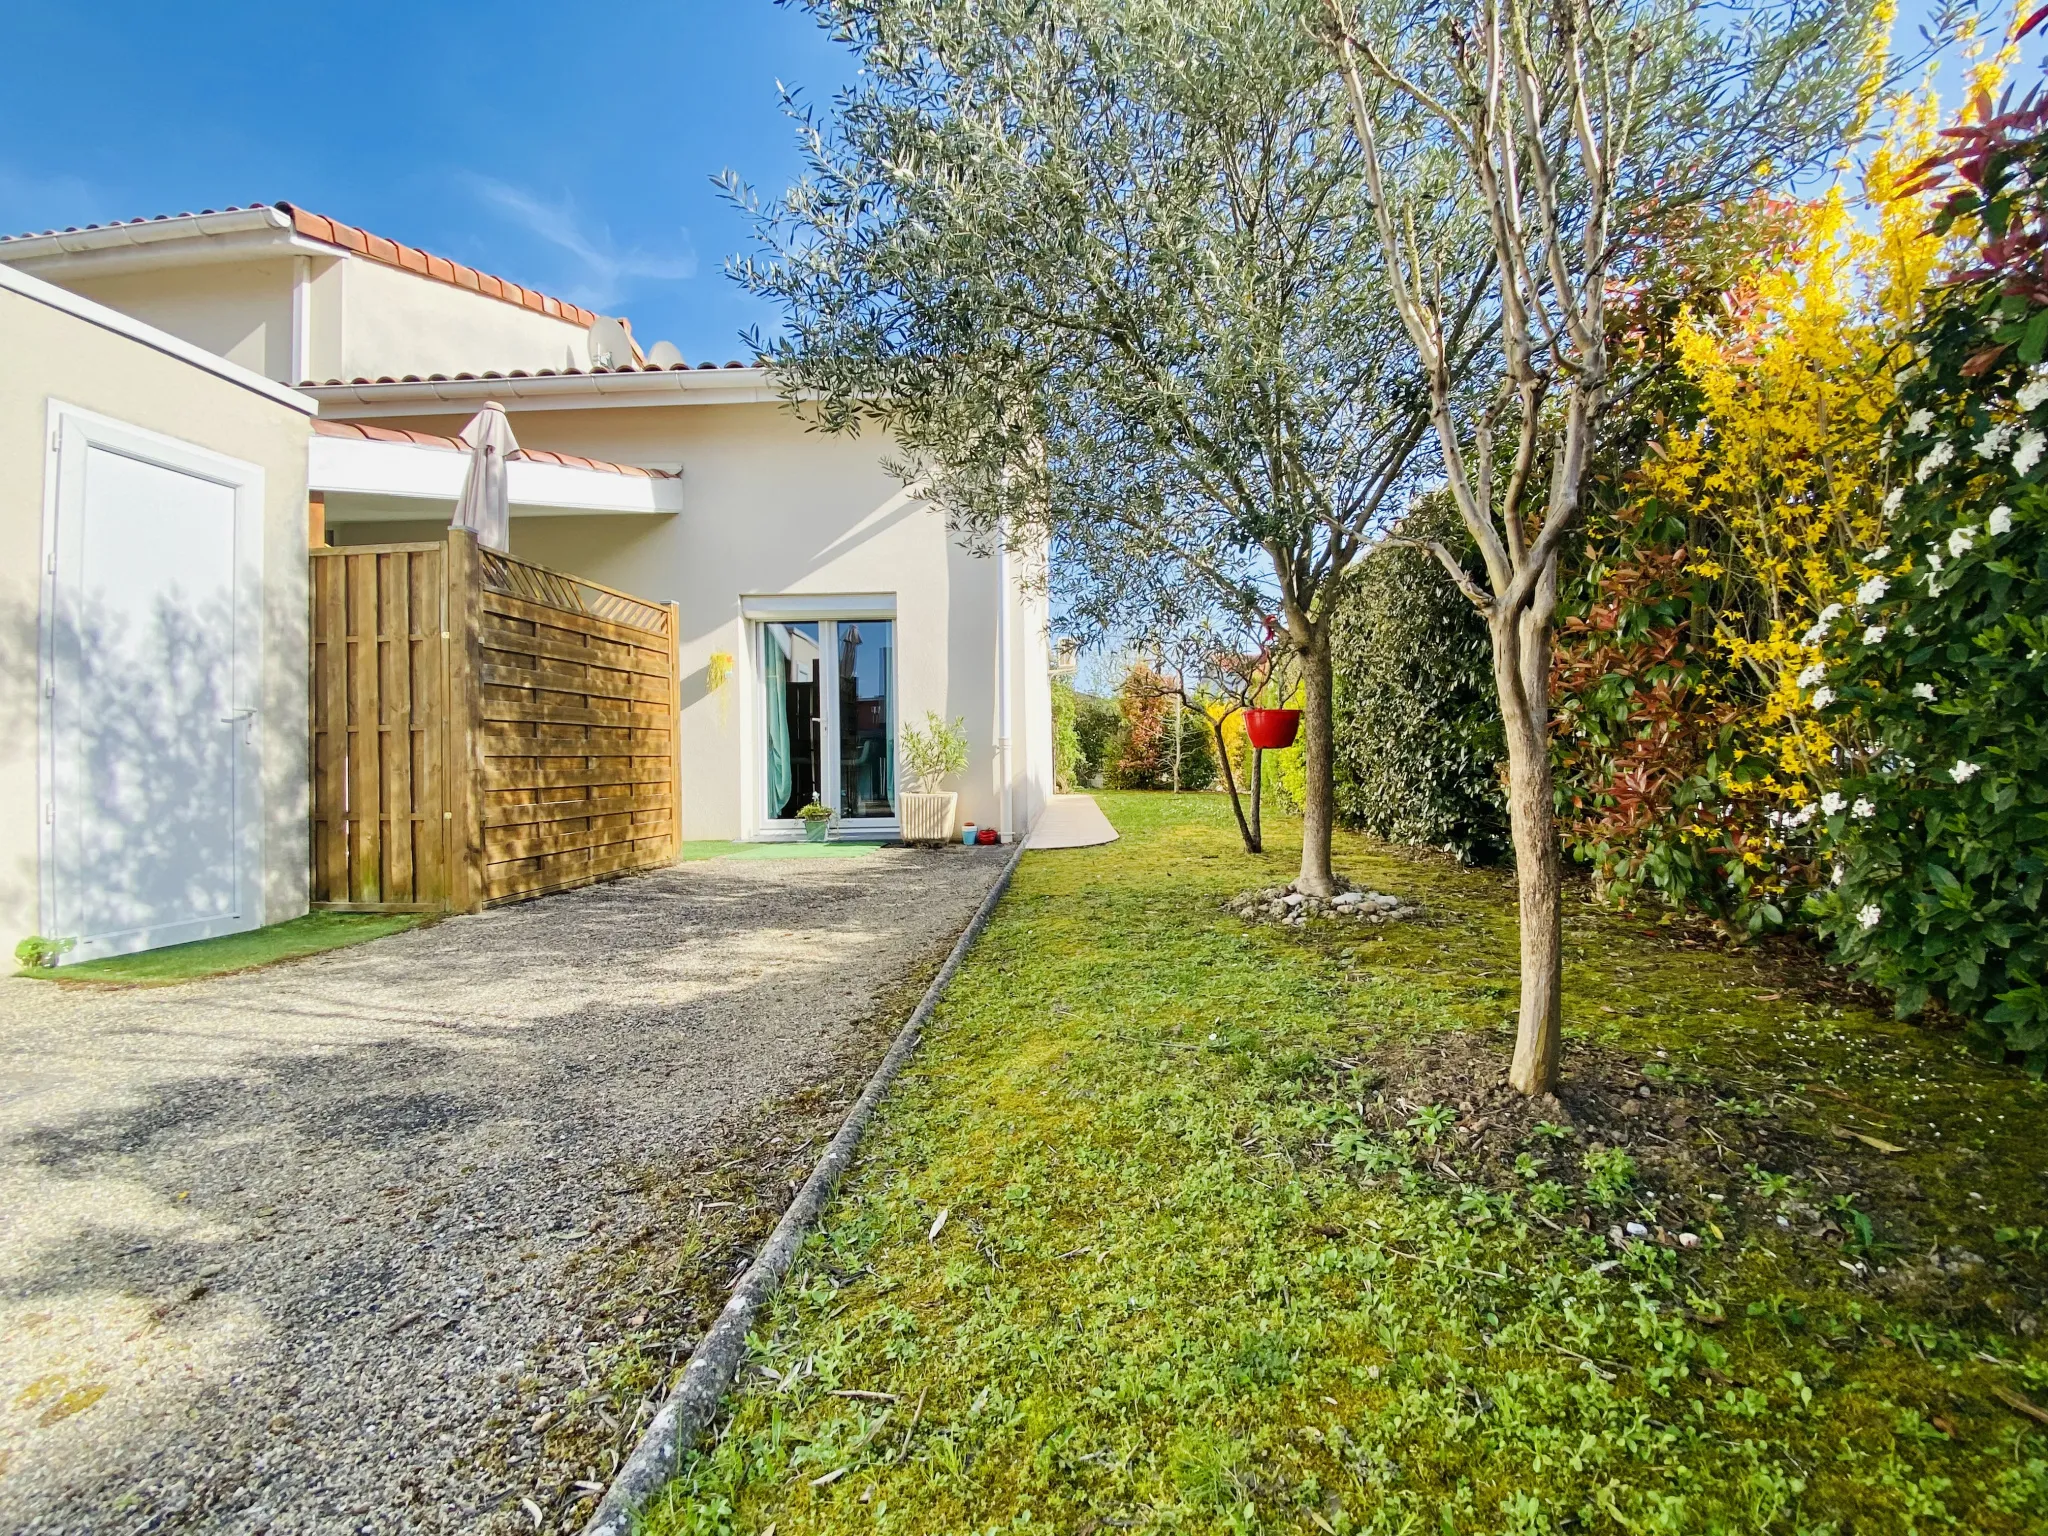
152,634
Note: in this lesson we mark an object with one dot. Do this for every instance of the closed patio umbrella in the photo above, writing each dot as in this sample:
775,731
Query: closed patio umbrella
485,505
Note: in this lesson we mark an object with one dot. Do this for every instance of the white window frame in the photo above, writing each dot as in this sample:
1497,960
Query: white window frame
70,432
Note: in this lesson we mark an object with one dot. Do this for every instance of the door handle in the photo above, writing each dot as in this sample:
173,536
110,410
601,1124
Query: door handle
240,714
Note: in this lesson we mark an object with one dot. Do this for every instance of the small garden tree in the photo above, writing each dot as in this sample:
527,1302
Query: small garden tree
1573,121
1218,673
1164,744
934,751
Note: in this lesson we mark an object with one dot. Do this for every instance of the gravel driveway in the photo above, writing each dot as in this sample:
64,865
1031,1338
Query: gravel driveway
302,1250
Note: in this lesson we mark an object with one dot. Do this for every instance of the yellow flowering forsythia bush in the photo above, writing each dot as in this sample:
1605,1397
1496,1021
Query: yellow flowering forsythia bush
1784,472
1692,763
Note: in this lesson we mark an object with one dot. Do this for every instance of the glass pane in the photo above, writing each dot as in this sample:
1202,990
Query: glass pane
867,755
789,664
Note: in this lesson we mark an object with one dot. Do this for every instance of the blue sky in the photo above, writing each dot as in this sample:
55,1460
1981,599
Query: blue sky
568,148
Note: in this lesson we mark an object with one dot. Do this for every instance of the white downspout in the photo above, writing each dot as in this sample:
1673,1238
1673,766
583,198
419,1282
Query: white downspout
1006,826
301,364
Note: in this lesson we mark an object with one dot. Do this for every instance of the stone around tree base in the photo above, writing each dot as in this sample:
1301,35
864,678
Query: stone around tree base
1283,904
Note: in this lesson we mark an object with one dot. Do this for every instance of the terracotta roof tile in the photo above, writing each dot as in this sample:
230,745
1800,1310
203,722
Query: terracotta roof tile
328,231
370,432
411,259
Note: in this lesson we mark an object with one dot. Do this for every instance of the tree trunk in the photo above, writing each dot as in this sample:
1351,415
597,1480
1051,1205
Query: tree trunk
1258,788
1520,656
1248,833
1176,742
1319,808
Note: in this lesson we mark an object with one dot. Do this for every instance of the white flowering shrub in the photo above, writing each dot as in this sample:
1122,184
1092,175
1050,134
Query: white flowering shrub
1939,827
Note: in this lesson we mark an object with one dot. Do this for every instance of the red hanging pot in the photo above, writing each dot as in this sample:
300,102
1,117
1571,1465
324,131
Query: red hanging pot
1270,729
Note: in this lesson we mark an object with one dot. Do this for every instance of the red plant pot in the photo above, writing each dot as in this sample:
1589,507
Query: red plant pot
1270,729
987,835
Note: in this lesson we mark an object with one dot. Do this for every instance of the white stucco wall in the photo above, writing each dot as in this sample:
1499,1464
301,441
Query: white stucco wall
394,322
241,310
773,509
1031,657
46,354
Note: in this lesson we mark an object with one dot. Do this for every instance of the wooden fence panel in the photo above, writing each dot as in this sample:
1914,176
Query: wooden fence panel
484,730
379,726
578,709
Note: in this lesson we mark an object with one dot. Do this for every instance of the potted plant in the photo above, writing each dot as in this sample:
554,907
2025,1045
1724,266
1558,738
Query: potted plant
817,819
930,754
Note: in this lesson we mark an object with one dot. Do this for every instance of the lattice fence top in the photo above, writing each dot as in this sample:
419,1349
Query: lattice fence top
537,584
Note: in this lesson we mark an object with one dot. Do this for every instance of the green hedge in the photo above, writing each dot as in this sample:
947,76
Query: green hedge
1096,728
1066,741
1418,737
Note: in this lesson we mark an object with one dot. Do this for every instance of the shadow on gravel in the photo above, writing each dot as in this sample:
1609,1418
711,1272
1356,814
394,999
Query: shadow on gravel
283,1248
313,1099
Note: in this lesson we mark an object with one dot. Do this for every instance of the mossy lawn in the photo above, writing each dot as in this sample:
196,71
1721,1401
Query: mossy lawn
1164,1231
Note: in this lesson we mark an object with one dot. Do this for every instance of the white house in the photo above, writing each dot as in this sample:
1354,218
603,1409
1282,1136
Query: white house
822,607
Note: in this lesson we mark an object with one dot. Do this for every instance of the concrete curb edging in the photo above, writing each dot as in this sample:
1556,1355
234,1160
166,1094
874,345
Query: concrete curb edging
716,1360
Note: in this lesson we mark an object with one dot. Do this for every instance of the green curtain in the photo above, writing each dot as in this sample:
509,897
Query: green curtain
889,716
775,658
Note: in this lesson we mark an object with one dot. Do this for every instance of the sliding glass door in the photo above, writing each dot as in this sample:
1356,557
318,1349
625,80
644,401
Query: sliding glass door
866,735
829,720
795,743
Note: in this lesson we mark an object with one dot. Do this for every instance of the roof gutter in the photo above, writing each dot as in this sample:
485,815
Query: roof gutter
186,240
553,392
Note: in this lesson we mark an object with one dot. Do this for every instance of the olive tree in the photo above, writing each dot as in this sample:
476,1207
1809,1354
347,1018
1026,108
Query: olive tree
1573,123
1107,274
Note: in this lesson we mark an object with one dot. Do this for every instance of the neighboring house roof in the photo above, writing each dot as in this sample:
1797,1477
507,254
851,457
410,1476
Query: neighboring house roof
317,227
367,433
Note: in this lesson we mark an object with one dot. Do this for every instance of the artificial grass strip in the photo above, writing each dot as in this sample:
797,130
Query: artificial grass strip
314,934
716,848
1184,1283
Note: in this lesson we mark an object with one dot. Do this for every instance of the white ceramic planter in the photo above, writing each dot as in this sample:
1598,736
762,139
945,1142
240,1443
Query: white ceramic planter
929,818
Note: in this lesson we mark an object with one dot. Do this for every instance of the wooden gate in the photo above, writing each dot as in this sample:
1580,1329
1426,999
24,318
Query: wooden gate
484,730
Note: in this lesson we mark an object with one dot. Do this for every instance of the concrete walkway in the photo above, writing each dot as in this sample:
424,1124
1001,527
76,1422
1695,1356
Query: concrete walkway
313,1249
1072,821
